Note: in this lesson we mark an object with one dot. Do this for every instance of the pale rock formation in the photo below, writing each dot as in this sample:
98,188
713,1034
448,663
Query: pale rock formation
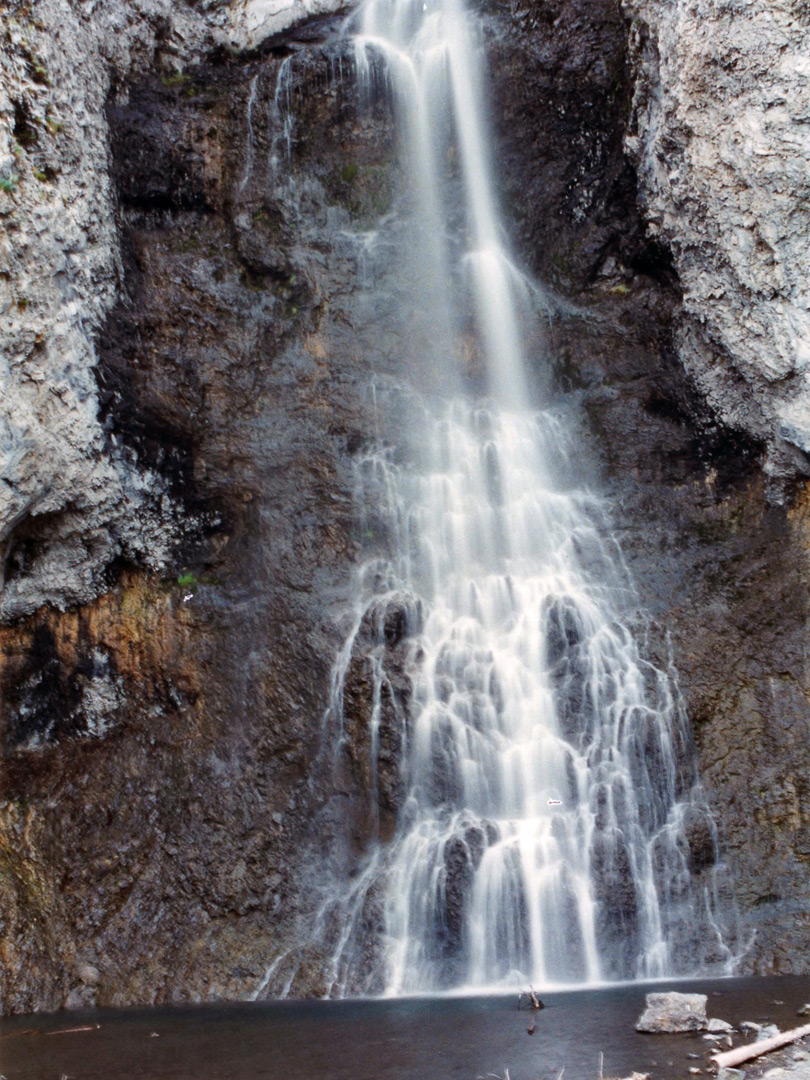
671,1012
721,139
60,275
250,22
718,1027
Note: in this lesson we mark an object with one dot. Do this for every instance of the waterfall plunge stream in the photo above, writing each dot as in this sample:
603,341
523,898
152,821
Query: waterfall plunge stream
533,770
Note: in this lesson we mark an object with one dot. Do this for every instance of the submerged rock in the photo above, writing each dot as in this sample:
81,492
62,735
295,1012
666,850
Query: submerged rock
670,1013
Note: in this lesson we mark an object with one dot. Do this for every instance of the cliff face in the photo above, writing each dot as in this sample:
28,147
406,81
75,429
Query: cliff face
720,139
74,500
187,384
215,428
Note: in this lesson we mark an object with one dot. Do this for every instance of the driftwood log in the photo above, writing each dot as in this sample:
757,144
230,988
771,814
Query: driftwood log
729,1058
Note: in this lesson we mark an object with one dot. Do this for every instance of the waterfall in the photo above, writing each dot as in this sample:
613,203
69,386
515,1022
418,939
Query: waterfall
530,777
250,146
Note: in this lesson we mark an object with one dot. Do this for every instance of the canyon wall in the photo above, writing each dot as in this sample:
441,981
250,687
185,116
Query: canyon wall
719,136
187,382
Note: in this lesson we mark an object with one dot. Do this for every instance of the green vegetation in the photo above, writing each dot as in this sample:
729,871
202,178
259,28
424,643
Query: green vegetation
177,78
9,182
349,172
190,581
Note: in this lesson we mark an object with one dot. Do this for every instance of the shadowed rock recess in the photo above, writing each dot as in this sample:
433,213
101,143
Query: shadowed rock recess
179,550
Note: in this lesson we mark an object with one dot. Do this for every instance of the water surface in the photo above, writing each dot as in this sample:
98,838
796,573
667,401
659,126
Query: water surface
402,1039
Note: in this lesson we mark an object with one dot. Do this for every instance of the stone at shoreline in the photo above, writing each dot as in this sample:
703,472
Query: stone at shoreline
719,1027
671,1012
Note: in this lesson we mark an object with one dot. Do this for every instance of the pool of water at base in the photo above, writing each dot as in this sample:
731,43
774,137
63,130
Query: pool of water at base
449,1038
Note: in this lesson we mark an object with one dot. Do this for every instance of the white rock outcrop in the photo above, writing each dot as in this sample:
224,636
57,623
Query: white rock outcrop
721,140
671,1012
60,274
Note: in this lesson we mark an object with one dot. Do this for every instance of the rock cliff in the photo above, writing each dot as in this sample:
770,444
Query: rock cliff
187,194
719,135
74,500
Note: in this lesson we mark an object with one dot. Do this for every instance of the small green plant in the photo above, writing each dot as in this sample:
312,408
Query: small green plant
54,126
40,175
40,74
349,172
8,183
177,78
187,581
22,303
619,290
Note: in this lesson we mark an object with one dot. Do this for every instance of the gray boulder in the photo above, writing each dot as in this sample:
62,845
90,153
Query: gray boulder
719,1027
671,1012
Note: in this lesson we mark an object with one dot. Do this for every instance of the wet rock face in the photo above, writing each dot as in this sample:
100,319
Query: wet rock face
72,502
376,715
162,739
157,740
722,571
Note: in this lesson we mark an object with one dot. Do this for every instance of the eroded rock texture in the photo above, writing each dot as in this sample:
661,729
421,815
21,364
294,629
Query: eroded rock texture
73,500
720,137
189,363
153,737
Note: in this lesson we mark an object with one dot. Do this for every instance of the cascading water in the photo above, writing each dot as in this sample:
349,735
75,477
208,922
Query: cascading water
542,822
